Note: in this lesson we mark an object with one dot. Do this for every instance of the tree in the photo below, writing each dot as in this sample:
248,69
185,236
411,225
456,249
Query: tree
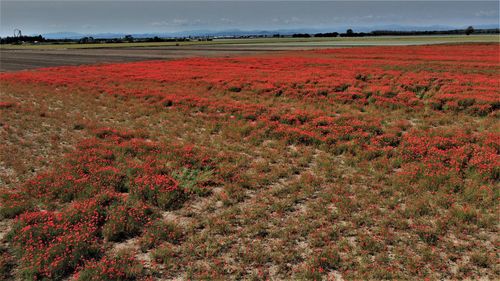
85,40
349,32
329,34
301,35
469,30
129,38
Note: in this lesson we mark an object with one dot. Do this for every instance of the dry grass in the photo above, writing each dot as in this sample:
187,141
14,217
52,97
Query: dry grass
298,211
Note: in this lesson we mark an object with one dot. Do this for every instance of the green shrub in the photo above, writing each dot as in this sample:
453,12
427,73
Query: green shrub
159,232
125,220
123,267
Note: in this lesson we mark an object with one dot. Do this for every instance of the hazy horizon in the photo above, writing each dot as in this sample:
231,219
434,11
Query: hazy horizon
92,17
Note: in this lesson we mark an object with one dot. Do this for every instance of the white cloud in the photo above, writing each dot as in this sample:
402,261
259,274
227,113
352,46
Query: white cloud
178,22
89,26
483,13
226,21
290,20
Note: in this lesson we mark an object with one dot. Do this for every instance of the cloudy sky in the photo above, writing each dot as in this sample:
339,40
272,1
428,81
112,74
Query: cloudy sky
39,17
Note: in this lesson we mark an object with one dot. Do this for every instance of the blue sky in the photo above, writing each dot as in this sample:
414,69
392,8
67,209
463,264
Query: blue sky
90,17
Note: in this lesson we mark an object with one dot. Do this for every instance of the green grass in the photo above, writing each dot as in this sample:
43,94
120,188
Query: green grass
342,41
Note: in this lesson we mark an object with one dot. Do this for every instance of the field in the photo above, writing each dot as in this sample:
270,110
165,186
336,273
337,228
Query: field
21,57
283,42
360,163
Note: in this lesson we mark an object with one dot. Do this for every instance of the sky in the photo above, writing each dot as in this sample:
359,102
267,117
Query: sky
92,17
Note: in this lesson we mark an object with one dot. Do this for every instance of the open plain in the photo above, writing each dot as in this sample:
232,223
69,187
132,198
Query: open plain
21,57
251,162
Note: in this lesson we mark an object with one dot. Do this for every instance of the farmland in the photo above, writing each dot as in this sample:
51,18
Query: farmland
282,42
29,56
358,163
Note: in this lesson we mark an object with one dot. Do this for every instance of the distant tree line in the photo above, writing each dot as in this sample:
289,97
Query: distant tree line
301,35
85,40
129,39
350,33
32,39
467,31
158,39
328,34
20,39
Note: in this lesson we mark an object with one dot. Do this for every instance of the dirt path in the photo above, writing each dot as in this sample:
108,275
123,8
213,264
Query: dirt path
14,60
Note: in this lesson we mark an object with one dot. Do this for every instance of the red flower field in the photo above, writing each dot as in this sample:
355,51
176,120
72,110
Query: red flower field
365,163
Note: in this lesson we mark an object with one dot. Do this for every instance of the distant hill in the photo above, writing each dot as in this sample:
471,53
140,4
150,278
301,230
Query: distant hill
239,32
